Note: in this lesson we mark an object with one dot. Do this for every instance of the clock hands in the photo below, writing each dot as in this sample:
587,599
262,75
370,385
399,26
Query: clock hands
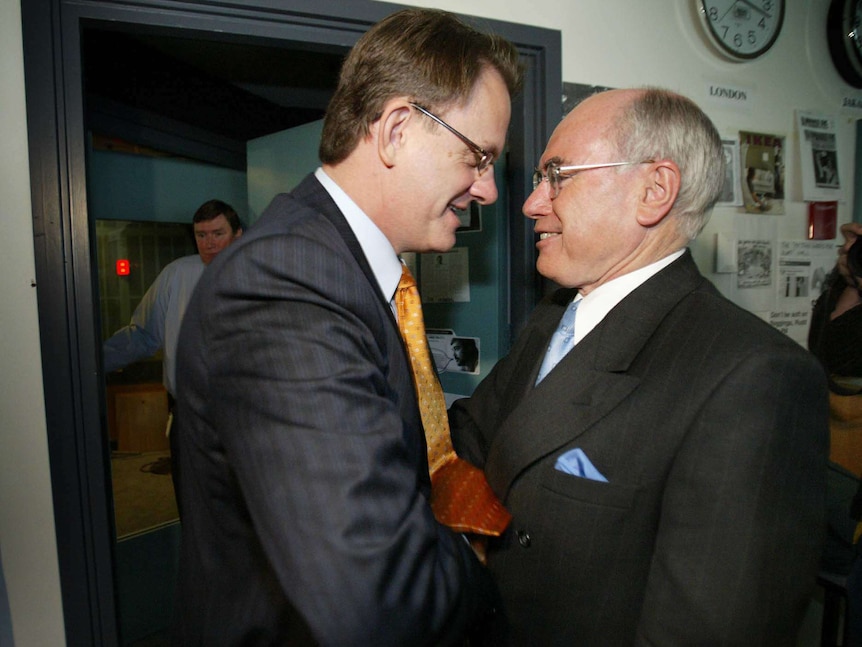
755,7
721,19
746,29
745,2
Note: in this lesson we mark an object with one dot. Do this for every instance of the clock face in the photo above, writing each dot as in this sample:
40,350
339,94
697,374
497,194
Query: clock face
743,29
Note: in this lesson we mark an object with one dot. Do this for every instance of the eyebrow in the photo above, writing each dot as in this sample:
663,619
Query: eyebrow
493,152
557,161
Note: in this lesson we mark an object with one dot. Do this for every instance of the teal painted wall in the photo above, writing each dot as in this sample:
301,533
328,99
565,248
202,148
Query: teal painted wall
121,186
485,316
277,163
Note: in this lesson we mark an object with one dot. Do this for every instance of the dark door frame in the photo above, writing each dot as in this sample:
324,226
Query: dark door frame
64,240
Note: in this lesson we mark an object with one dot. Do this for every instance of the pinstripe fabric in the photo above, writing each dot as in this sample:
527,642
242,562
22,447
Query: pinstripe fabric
710,427
306,517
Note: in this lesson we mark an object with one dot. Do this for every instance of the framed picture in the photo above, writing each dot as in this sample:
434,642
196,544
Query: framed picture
471,220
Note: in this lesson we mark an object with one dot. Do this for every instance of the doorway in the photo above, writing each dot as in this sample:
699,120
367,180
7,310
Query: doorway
169,120
59,118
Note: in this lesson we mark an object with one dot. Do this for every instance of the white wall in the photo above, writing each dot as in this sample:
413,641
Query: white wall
621,43
605,42
28,548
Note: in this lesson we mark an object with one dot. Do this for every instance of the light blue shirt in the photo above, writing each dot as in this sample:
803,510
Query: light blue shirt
156,321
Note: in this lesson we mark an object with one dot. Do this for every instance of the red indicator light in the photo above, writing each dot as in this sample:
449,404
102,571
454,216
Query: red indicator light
123,267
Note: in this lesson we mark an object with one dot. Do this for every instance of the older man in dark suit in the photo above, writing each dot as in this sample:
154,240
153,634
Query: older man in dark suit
662,451
306,515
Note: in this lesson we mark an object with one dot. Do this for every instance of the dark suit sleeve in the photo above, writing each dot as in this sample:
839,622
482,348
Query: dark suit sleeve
475,421
742,514
472,420
298,363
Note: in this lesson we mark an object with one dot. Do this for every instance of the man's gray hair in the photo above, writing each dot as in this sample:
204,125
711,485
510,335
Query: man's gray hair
660,124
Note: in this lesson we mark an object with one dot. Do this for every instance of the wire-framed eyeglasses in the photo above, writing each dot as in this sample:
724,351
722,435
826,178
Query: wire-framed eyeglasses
484,159
555,174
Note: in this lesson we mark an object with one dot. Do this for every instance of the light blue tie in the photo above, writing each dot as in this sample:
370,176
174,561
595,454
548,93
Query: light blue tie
562,341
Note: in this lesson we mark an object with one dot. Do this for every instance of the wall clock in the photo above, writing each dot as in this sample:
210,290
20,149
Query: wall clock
844,35
742,29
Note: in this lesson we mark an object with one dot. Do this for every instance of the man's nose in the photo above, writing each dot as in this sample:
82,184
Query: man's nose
484,189
538,202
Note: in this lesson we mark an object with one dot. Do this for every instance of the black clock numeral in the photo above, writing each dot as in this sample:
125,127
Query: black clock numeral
746,29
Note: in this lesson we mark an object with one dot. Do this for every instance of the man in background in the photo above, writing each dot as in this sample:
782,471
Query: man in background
306,485
661,450
155,324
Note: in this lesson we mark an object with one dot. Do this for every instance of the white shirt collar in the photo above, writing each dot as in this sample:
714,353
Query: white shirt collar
376,247
598,303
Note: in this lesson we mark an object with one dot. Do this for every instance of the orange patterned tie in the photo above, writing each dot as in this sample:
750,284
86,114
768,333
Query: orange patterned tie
460,495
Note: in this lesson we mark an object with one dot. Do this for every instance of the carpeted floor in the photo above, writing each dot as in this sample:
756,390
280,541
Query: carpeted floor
143,491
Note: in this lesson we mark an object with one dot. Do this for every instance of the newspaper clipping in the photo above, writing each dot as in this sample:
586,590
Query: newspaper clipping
802,268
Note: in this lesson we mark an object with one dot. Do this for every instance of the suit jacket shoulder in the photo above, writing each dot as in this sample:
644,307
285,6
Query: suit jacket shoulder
693,410
305,480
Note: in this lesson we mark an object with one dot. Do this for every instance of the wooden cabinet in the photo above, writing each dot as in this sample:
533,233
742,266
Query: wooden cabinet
137,417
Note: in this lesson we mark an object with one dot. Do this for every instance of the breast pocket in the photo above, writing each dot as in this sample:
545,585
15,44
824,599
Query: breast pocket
582,527
586,491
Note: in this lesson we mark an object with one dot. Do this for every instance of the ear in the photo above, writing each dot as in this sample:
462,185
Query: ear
390,130
659,192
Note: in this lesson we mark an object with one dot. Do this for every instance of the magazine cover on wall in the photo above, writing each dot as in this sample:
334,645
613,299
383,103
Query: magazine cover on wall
471,219
762,159
574,93
818,157
453,353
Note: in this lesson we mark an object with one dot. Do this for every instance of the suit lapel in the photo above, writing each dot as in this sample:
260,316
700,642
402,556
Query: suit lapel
588,383
311,193
535,344
533,430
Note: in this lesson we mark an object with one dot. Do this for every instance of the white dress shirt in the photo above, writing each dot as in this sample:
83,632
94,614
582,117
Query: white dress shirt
598,303
378,250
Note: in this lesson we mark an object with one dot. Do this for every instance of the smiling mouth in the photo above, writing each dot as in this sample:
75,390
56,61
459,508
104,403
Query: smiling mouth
546,235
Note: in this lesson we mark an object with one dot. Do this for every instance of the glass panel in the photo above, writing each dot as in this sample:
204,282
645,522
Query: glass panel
137,404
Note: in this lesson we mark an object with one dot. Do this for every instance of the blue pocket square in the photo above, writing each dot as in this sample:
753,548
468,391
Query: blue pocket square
576,463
